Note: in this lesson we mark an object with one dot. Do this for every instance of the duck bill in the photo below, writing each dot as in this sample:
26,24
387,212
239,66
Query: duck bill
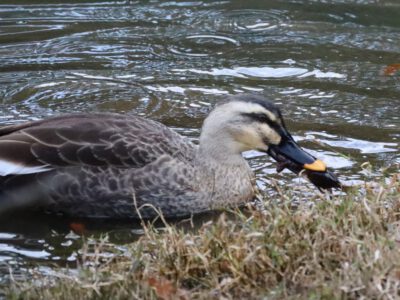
289,152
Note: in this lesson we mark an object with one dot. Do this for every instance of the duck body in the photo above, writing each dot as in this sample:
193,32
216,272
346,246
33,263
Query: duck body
114,166
108,165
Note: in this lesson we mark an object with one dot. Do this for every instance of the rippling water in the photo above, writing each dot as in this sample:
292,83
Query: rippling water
322,61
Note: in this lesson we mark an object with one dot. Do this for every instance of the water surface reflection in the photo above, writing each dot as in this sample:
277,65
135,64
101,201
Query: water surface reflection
321,62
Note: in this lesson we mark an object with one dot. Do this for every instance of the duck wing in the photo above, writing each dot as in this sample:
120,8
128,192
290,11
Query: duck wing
87,140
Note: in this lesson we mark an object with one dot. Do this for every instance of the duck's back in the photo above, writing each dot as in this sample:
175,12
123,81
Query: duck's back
88,139
86,154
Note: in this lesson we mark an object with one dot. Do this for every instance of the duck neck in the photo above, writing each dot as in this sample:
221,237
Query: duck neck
222,171
219,150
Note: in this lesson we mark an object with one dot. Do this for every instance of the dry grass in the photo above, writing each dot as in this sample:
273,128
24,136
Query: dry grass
348,247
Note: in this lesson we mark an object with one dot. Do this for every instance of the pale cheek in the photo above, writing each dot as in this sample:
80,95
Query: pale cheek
270,135
250,139
256,137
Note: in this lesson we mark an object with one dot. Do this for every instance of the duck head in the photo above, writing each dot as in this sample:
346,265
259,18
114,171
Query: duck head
250,122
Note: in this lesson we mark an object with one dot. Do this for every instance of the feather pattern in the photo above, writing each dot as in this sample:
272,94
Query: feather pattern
89,140
107,165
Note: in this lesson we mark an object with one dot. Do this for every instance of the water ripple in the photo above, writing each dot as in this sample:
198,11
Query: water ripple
321,62
244,21
201,45
265,72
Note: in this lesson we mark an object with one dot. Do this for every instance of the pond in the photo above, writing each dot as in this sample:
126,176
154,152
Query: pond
325,63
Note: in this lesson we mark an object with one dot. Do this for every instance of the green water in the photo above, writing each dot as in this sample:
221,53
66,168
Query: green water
322,62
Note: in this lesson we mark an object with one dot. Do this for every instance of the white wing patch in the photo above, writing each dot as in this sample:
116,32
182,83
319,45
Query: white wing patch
10,168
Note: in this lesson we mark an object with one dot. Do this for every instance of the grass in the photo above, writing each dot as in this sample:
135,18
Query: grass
348,247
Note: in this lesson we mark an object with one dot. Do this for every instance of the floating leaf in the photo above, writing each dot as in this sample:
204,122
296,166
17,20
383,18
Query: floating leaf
78,228
391,69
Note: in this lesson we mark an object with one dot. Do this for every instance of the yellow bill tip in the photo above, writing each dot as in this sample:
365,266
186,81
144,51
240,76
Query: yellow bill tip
317,165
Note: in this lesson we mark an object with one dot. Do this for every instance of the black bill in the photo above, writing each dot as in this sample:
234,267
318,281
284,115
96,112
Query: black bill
288,154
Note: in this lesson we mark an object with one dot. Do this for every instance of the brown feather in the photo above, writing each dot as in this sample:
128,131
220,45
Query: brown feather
91,140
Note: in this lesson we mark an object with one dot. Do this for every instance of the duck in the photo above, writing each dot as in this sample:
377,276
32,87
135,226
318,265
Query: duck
107,165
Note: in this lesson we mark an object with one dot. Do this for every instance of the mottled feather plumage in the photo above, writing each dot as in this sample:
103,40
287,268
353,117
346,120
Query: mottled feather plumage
86,157
109,165
105,165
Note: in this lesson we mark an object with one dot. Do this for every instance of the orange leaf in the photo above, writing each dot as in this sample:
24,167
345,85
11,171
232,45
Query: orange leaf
78,228
391,69
163,288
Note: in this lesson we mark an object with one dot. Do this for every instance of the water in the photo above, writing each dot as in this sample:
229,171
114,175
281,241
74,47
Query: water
323,62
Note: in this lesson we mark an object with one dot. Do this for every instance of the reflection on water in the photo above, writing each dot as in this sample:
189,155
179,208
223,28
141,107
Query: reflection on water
321,62
266,72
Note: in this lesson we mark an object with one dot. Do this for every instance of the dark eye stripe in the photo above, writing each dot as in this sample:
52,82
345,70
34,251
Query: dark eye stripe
264,118
261,118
